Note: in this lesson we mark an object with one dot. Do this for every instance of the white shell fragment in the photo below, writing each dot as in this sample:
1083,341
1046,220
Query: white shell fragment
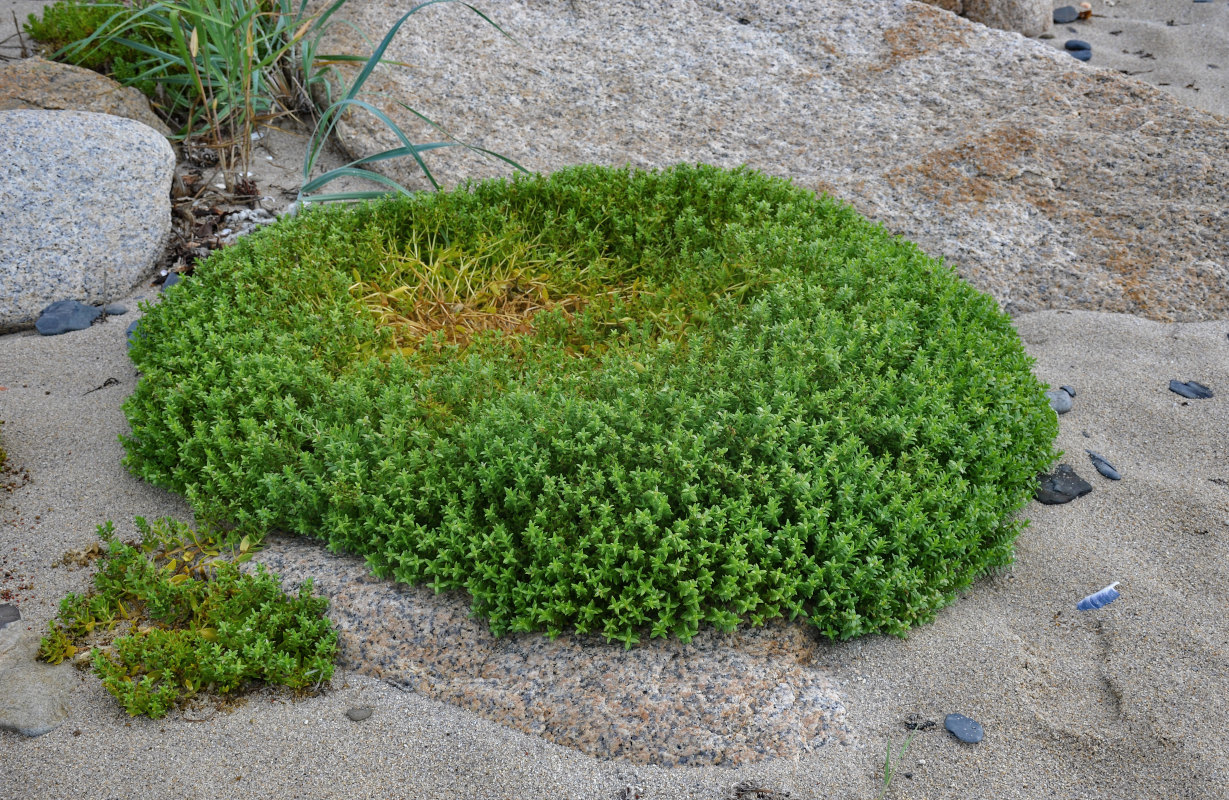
1102,598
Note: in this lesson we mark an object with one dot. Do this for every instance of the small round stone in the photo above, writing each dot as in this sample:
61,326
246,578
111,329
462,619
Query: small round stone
1066,14
1060,401
115,309
359,714
963,728
1077,44
1082,55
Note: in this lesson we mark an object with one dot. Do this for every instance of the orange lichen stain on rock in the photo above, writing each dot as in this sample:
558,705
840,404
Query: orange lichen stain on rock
925,30
975,170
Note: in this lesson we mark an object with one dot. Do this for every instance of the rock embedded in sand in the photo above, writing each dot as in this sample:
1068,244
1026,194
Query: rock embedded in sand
1191,390
1062,486
1103,466
963,728
359,714
1060,400
63,316
32,694
1065,14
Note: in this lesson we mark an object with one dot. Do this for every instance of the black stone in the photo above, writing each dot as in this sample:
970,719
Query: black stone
63,316
1190,390
1066,14
1077,44
1062,487
1103,466
963,728
171,279
1069,390
359,714
1082,55
8,613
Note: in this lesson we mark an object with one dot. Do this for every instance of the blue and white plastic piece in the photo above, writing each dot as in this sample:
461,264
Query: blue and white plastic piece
1099,599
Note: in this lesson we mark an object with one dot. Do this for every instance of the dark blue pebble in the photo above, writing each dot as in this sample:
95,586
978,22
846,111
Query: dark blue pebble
1082,55
1190,390
131,333
963,728
63,316
1077,44
1103,466
1068,389
115,309
171,279
1066,14
8,614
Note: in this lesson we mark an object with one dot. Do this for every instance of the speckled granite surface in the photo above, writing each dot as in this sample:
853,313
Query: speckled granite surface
722,699
1045,182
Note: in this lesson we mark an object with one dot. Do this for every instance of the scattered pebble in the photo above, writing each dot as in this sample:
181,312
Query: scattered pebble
1062,487
8,613
115,309
1098,599
963,728
1068,389
359,714
63,316
131,333
172,278
1103,466
1190,390
1077,44
1081,55
1060,400
1065,14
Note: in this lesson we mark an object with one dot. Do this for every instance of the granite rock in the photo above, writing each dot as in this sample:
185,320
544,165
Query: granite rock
720,699
33,695
1042,182
35,83
84,208
1029,17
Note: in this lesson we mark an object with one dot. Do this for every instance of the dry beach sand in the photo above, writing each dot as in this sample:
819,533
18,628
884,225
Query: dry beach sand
1124,702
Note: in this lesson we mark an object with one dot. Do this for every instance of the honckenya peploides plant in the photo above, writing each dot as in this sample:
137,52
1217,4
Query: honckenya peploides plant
612,401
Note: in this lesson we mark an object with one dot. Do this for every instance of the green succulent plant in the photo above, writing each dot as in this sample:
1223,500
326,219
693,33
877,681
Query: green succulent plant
190,621
607,401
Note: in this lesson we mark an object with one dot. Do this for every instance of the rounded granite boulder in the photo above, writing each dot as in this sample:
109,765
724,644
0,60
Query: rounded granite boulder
84,208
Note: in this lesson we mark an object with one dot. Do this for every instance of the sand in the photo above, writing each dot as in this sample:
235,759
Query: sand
1125,702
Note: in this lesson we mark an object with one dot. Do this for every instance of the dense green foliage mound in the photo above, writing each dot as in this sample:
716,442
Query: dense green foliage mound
605,400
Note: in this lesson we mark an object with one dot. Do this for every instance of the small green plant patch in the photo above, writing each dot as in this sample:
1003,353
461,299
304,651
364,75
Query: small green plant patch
193,621
606,400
